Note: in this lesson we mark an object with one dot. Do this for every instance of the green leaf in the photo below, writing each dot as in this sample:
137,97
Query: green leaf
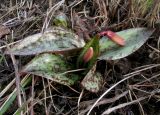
92,81
134,38
55,39
94,43
52,67
60,20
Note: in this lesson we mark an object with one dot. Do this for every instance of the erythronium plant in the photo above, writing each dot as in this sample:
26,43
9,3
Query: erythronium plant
57,43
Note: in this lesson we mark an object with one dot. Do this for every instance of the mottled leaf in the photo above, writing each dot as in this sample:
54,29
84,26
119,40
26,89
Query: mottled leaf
134,39
60,20
92,81
52,67
55,39
93,43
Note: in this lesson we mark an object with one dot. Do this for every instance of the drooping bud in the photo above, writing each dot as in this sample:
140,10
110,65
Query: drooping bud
114,37
88,55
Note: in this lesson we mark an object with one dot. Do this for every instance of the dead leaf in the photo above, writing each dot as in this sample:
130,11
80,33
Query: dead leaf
4,30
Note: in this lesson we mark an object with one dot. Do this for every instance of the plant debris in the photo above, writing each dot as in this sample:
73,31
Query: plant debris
4,30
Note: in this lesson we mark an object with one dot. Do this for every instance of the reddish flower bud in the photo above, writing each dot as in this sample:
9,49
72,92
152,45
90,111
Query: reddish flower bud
88,55
114,37
104,33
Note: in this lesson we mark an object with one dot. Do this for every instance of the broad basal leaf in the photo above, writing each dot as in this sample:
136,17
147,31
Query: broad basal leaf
92,81
52,67
134,39
55,39
89,53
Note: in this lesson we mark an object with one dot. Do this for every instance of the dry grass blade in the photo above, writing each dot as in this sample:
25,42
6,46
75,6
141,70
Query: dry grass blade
79,99
4,46
17,79
50,14
108,111
45,103
50,92
32,93
149,79
140,105
145,10
7,88
12,96
17,76
138,71
89,103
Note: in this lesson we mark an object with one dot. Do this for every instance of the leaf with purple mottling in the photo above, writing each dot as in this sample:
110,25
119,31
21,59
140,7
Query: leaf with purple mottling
55,40
52,67
134,39
92,81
